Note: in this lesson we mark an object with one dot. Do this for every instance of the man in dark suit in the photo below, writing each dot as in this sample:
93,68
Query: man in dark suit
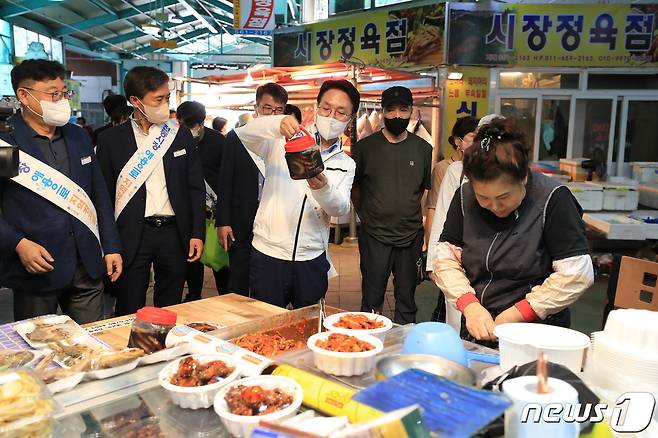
240,186
48,256
153,169
210,146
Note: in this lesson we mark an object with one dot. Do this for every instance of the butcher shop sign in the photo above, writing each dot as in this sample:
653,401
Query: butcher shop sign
554,35
393,37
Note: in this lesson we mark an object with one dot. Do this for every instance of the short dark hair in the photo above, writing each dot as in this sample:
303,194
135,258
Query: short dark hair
120,113
293,110
142,80
277,92
499,149
461,128
36,70
82,119
113,102
218,123
344,86
191,113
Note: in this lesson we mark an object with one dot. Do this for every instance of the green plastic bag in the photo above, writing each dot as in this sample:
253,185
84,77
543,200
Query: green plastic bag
214,254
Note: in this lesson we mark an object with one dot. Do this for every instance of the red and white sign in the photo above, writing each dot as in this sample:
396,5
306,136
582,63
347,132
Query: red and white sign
253,17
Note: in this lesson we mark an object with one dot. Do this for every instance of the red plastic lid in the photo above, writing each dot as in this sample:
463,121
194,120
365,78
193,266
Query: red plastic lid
300,141
155,315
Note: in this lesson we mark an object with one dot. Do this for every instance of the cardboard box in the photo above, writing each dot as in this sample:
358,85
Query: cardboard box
574,169
616,226
589,196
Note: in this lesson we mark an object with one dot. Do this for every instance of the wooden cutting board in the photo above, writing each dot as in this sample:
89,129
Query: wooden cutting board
225,310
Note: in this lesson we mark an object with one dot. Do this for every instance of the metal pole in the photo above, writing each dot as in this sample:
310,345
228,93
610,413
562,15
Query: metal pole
352,239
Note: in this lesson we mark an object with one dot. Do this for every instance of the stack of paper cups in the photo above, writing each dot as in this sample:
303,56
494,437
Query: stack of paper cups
523,392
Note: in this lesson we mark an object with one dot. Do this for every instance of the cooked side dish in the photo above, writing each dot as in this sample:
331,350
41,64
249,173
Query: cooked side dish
358,322
203,327
44,332
267,345
15,358
255,400
193,373
341,343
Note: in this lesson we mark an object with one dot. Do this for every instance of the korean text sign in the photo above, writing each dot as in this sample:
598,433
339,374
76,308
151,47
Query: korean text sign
253,17
384,37
585,35
464,97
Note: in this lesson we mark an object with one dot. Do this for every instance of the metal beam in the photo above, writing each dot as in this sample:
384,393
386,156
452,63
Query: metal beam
218,4
15,9
185,37
138,33
109,18
103,5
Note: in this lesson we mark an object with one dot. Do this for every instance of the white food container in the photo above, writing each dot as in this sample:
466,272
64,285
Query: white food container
110,372
648,194
589,196
243,425
344,364
644,171
196,397
65,384
521,343
330,321
620,195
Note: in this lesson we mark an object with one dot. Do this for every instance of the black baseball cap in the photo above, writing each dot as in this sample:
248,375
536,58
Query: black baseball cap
397,95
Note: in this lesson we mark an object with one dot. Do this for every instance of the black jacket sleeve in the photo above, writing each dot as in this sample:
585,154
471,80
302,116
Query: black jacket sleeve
225,183
196,187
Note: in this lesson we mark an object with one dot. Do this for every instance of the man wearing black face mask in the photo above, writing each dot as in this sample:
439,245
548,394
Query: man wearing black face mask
393,170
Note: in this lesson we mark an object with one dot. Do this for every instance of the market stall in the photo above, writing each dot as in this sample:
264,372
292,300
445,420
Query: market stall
231,365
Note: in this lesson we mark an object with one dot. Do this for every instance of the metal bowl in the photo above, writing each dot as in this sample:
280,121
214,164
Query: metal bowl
392,365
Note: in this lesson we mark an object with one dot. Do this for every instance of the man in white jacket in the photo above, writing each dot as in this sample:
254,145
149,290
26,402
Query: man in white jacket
289,262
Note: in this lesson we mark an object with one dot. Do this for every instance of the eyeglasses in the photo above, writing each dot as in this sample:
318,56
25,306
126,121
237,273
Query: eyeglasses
268,110
55,96
326,111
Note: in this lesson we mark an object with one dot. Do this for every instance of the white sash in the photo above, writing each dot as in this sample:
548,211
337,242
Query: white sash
57,188
142,164
211,196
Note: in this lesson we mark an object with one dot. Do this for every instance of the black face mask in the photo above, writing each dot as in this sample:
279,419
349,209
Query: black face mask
397,125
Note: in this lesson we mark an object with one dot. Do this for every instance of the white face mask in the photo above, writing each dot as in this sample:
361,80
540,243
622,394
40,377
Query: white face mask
330,128
156,114
54,113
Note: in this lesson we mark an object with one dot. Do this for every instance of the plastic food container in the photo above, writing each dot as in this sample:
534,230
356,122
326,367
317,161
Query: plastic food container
243,425
150,328
196,397
330,321
344,364
303,156
521,343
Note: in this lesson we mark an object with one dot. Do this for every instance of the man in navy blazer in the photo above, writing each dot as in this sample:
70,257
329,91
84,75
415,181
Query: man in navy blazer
163,224
47,256
240,187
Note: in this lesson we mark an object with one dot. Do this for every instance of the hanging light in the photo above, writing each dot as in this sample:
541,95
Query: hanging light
175,19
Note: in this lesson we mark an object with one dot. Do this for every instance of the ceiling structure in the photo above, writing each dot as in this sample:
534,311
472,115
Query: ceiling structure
123,29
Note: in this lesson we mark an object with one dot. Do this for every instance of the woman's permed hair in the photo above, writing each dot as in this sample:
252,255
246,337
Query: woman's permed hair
499,150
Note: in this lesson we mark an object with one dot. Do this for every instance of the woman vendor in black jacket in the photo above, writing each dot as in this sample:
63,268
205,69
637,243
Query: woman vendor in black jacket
513,248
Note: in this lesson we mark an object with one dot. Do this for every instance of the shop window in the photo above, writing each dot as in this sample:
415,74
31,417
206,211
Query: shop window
524,114
517,79
622,82
554,129
641,132
592,129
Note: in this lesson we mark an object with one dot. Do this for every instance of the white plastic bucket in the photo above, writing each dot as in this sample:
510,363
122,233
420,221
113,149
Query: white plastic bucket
521,343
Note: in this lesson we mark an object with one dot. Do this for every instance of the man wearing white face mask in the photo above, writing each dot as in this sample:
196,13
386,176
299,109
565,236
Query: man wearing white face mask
289,262
56,221
152,167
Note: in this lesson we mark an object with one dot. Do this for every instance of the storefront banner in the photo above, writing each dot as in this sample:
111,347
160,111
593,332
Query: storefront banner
464,97
253,17
382,37
584,35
